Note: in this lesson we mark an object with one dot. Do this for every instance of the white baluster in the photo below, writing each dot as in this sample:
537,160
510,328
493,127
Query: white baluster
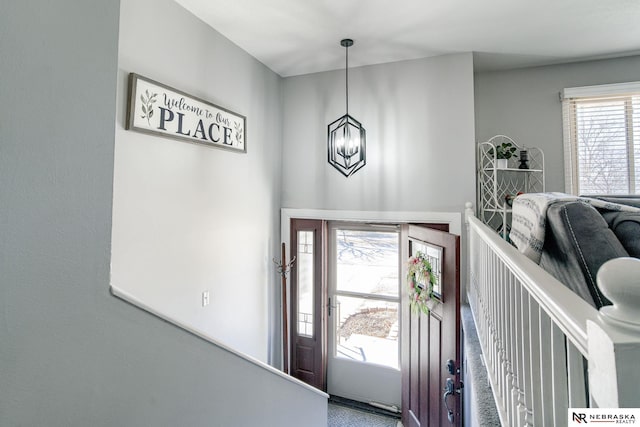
575,377
492,317
534,350
511,354
546,371
559,373
499,306
527,387
518,397
508,344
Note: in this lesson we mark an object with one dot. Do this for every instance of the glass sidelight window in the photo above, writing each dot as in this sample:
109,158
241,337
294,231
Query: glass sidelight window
434,256
366,296
305,282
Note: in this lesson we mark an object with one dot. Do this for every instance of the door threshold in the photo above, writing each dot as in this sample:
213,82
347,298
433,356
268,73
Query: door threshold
362,406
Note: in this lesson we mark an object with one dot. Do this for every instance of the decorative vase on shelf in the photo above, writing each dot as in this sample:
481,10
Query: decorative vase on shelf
501,163
524,159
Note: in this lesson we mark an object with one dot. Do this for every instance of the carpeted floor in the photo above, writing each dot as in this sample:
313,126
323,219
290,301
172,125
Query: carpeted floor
341,416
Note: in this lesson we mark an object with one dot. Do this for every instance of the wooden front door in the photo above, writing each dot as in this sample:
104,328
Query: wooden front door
308,303
431,342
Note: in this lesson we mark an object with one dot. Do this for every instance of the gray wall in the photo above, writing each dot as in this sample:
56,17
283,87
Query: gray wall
420,136
419,121
70,353
189,218
524,104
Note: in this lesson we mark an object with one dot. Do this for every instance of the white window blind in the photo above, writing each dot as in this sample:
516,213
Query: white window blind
602,139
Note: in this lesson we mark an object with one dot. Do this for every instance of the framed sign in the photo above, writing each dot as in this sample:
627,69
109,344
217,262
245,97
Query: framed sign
158,109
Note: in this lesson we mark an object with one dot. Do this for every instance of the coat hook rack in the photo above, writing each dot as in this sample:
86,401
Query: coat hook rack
284,269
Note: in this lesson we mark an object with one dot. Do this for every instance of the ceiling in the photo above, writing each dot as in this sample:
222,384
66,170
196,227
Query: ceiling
295,37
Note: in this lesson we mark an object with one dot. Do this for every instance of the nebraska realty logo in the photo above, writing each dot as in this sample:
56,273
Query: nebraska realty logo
581,416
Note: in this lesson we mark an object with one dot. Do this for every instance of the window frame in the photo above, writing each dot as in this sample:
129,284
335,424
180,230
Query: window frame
570,97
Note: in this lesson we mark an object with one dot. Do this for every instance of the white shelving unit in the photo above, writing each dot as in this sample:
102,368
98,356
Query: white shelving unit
495,183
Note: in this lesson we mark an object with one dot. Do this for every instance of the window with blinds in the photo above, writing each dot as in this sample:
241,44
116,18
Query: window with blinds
602,139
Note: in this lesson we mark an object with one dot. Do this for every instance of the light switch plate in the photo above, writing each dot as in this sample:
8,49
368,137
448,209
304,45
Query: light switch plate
205,298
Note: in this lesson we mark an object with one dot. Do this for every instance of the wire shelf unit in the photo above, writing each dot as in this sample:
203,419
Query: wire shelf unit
497,185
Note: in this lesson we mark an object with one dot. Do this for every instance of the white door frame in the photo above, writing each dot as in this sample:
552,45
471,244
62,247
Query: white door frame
453,219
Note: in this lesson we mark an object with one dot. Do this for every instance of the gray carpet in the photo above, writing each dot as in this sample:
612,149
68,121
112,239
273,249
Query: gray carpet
341,416
480,406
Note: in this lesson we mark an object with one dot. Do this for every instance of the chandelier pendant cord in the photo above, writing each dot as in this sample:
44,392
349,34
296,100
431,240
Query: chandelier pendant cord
347,78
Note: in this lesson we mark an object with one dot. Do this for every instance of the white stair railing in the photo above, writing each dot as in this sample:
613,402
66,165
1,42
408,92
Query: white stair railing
539,339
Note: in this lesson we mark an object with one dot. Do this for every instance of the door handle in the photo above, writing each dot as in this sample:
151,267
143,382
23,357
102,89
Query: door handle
331,306
450,390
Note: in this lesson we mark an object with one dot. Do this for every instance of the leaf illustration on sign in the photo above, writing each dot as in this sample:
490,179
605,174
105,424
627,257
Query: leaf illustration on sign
238,127
147,105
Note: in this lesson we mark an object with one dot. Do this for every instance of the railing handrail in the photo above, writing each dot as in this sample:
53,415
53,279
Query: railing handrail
567,310
537,334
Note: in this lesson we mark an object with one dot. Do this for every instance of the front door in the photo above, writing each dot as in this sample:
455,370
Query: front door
431,342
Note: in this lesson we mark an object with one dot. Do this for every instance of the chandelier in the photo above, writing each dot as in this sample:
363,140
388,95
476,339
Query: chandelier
346,136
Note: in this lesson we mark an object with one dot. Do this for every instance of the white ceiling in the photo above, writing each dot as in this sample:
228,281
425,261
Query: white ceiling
295,37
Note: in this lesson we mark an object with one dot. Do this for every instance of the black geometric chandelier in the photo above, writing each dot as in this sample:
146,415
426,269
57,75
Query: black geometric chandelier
346,136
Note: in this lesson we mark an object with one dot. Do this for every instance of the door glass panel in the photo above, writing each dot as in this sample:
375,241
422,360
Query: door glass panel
367,294
434,256
367,262
304,263
367,330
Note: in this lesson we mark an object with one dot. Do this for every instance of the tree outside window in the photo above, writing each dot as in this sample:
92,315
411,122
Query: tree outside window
604,143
